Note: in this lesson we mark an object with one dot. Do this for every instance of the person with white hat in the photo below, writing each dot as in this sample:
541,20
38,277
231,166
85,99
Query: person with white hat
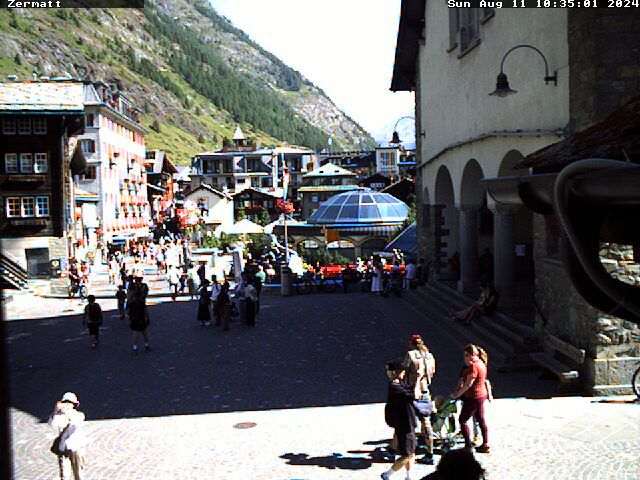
71,439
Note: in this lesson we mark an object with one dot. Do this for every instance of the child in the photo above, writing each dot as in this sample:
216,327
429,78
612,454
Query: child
92,317
121,296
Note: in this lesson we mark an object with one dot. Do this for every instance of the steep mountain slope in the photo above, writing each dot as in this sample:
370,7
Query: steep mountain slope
195,75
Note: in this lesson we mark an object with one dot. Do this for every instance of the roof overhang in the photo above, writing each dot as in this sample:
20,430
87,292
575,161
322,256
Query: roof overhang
408,44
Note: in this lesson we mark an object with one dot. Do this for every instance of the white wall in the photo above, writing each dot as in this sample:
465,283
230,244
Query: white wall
454,91
16,247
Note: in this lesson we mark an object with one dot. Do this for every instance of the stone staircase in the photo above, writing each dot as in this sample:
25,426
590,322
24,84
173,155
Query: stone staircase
12,275
507,339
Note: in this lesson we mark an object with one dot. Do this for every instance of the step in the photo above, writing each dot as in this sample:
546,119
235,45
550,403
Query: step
521,339
500,319
512,349
496,347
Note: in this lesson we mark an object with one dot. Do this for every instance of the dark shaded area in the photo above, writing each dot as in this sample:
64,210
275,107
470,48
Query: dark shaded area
306,351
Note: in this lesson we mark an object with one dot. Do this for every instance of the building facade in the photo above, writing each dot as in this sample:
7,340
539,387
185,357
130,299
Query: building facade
323,183
114,146
38,121
450,57
160,185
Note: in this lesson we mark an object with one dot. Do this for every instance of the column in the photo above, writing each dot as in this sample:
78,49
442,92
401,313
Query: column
504,252
468,249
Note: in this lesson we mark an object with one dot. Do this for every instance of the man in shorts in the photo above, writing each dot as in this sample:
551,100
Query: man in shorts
400,415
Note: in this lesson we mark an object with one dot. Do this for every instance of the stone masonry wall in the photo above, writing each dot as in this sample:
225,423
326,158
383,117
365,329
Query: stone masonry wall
604,56
612,345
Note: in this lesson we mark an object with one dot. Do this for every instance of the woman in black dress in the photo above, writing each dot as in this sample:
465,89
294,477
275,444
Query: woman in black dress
204,315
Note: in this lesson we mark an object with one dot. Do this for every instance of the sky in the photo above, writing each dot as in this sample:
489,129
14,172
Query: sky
345,47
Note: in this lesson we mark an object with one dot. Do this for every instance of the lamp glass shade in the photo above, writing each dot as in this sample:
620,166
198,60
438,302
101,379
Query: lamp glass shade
502,86
395,138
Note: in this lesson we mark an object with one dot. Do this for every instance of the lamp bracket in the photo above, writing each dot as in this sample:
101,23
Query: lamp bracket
547,78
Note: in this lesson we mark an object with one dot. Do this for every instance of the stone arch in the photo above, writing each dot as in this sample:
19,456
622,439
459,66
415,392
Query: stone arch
446,219
302,241
507,165
472,192
426,200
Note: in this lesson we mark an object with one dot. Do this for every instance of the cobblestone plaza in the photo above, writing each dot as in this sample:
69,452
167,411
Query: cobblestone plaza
310,377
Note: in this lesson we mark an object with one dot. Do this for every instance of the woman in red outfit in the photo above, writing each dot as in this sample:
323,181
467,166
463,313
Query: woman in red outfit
472,390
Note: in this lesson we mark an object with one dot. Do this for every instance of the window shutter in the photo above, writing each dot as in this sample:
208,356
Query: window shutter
454,25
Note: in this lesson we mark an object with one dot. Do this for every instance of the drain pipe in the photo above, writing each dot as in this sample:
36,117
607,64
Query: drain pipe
560,196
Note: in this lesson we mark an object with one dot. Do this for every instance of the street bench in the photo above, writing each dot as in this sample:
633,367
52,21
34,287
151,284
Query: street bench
560,358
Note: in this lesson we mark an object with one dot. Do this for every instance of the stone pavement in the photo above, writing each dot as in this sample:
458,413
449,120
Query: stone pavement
310,376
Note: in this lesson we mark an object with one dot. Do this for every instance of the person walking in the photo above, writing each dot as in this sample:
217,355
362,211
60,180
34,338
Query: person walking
400,415
173,277
92,318
421,367
69,444
204,302
377,283
223,306
240,298
192,284
215,290
472,389
138,314
121,297
251,302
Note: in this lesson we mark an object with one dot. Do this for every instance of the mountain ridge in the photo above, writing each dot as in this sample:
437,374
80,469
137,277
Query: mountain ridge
194,74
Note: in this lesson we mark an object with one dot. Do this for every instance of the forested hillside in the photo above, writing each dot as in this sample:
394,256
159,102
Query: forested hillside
194,74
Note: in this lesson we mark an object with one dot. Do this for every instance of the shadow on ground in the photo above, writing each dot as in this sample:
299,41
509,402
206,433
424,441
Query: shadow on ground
306,351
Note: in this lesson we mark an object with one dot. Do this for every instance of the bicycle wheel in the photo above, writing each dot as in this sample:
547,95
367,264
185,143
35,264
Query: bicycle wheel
635,382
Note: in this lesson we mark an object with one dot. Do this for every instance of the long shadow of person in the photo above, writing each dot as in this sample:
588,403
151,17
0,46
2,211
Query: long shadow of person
334,461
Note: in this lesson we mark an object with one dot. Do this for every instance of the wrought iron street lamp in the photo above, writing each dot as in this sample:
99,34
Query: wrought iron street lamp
502,82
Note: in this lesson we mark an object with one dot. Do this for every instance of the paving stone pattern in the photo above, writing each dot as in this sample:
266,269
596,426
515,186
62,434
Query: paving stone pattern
311,377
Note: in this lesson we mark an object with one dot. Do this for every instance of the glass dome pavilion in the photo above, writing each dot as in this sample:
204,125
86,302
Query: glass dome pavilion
359,208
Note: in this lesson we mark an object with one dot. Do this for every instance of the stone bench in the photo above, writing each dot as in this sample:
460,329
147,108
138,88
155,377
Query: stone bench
560,358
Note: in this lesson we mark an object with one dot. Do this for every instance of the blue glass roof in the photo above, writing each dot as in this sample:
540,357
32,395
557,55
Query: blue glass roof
361,206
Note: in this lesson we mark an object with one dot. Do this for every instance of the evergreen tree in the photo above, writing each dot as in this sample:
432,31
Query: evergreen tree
17,59
156,126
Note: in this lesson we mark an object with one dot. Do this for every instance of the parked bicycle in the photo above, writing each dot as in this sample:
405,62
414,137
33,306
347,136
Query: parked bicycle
308,281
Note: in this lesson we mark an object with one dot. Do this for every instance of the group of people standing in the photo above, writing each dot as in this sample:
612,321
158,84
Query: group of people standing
215,298
410,403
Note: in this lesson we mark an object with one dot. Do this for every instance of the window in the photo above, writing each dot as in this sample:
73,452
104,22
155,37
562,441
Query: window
24,126
9,126
89,120
41,165
28,207
13,207
42,206
91,173
26,163
40,126
11,163
464,27
314,198
88,146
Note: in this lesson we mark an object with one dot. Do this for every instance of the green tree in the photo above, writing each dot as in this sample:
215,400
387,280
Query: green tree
156,125
17,59
201,138
240,214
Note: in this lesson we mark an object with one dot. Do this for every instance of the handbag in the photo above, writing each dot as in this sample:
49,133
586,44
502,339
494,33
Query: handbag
423,407
55,446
